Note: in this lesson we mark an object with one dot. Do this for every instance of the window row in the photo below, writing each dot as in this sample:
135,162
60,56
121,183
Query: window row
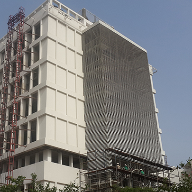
25,109
62,158
28,37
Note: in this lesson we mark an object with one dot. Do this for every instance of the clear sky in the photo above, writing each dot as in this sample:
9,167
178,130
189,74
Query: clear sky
164,29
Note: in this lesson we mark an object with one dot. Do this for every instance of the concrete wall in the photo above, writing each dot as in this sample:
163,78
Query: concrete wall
54,58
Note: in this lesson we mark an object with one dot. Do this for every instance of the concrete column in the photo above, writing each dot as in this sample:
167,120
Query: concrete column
28,133
19,163
30,105
51,2
4,168
37,126
21,103
81,163
19,136
71,160
32,54
36,157
47,155
33,32
41,27
27,160
60,158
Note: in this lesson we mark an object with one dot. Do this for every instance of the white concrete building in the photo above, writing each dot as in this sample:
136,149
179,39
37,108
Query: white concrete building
51,127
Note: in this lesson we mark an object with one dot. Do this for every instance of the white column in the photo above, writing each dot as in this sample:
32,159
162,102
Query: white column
27,160
60,158
28,133
47,155
71,160
36,157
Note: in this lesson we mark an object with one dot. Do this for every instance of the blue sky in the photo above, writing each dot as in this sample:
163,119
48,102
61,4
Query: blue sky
163,28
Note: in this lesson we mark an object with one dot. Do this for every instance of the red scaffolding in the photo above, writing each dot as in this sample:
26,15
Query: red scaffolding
17,19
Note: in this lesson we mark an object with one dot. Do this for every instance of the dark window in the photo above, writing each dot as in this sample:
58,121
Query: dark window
65,159
10,115
1,143
18,116
27,82
28,58
1,77
23,162
13,69
34,102
54,156
36,53
41,156
16,138
32,159
8,140
76,162
29,37
16,164
37,31
23,43
25,107
25,134
2,57
12,92
15,48
33,130
20,86
35,77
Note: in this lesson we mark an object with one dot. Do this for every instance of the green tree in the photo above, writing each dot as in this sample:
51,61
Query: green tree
15,185
36,186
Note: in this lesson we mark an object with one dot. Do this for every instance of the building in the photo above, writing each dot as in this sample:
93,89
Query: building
68,62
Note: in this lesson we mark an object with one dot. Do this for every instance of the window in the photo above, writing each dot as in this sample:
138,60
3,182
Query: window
36,53
28,58
15,164
54,156
41,156
29,37
33,130
1,77
35,77
1,142
2,57
76,162
23,162
32,159
16,138
20,86
23,43
18,116
65,159
27,82
37,31
15,48
12,92
10,115
34,102
8,139
13,70
25,107
25,134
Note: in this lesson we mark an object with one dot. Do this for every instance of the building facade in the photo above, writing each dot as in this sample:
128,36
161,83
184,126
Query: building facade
120,105
83,86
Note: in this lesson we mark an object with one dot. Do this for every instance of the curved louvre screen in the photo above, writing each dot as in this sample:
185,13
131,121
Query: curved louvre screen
119,106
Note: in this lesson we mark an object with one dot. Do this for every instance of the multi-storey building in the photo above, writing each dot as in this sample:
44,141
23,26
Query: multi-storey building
60,48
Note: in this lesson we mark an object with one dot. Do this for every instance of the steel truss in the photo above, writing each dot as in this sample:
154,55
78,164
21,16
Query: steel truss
17,19
125,170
